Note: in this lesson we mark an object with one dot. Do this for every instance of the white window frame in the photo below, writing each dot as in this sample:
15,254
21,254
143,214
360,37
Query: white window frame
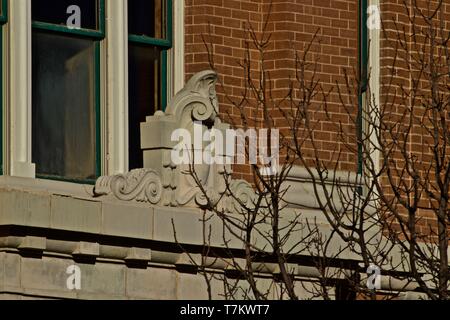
114,85
117,77
18,52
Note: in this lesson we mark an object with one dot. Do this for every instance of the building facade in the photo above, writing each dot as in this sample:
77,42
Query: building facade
90,205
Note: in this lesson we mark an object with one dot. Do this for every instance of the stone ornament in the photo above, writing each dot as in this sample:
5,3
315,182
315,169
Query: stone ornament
141,185
161,182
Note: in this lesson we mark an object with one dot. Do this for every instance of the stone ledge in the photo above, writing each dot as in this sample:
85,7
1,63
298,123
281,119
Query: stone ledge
104,217
300,181
46,278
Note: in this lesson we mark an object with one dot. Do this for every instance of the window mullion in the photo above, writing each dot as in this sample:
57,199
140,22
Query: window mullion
117,87
175,66
20,89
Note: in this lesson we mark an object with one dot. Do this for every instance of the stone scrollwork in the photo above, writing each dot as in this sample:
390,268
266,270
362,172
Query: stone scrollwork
141,185
163,182
241,196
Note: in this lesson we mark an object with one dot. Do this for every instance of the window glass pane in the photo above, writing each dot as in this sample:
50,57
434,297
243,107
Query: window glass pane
144,94
146,18
55,11
64,121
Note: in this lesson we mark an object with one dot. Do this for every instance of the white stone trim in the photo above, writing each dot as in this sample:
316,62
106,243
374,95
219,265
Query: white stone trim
300,181
175,68
117,87
4,114
374,80
19,89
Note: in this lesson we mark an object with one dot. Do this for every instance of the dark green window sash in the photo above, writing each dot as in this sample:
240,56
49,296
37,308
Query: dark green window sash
4,13
1,100
164,44
363,57
95,35
363,45
63,29
3,19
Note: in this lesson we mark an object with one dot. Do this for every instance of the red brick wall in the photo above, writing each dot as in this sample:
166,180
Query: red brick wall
399,69
336,49
292,25
220,24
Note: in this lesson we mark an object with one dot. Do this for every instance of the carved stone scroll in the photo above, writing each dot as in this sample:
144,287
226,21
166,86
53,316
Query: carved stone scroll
162,181
141,185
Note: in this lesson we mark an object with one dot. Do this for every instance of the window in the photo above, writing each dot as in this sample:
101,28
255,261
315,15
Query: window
3,13
150,36
66,88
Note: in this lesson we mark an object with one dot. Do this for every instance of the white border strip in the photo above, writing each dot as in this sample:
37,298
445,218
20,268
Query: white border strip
19,89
